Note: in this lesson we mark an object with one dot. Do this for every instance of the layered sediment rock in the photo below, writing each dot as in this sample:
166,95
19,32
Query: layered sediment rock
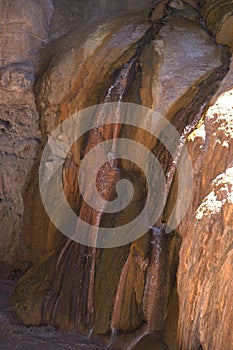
218,16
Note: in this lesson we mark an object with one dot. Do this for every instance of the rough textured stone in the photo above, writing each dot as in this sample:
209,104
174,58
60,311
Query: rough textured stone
16,336
205,269
152,341
73,14
24,28
108,47
176,72
67,85
218,15
19,144
177,69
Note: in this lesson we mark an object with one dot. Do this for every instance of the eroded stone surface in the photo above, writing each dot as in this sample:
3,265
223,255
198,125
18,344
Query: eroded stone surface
178,69
218,15
24,28
76,77
46,293
16,336
73,14
75,72
107,47
204,275
19,143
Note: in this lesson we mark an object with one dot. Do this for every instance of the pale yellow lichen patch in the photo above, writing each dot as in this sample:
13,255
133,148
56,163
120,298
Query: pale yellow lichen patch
211,205
222,111
222,193
198,132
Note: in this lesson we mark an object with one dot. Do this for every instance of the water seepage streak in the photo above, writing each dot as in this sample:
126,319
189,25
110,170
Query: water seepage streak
155,292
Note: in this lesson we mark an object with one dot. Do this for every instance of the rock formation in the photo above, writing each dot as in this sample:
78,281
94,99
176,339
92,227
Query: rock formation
204,282
23,30
165,55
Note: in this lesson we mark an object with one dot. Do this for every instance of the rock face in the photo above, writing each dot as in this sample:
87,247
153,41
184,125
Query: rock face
205,269
171,87
152,341
24,28
20,138
72,14
14,335
58,99
219,19
159,57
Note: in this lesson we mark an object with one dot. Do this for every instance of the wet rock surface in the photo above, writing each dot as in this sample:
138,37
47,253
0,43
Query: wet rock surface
162,58
135,295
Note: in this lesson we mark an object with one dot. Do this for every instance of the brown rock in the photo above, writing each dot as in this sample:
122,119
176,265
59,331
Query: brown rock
24,28
71,14
81,288
218,15
107,46
173,72
19,144
204,282
151,342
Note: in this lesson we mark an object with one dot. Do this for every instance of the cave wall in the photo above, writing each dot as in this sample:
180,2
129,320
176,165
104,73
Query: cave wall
205,260
218,19
38,90
24,28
